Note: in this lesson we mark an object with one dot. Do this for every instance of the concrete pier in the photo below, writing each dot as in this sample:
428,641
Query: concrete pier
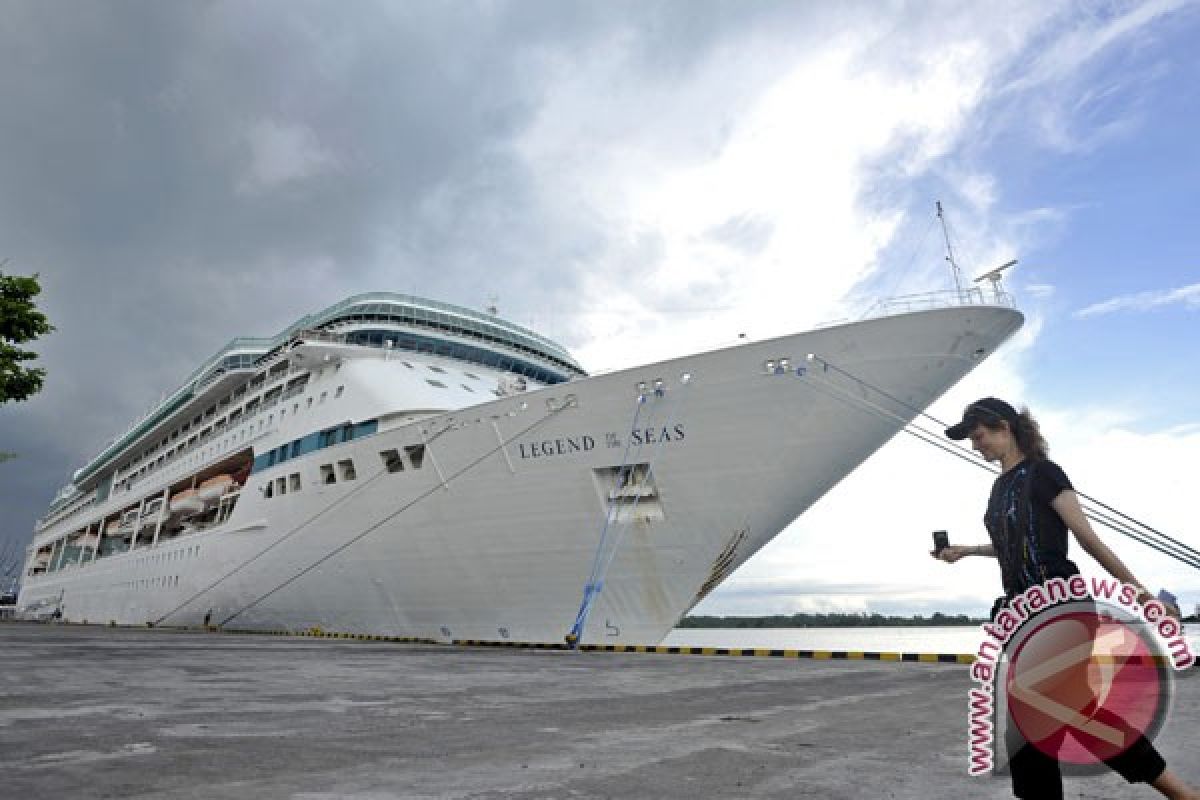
97,712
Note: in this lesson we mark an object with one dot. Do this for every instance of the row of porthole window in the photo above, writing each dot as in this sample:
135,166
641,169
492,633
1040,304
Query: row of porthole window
330,474
161,582
173,555
440,385
442,370
410,457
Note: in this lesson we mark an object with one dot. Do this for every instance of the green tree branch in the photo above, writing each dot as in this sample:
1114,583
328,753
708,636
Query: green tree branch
20,322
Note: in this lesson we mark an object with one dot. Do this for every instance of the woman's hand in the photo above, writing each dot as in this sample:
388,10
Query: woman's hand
952,552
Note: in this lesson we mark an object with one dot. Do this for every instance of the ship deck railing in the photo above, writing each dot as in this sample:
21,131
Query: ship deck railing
952,298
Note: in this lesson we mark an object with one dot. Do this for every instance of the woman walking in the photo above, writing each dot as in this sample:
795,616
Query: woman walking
1031,508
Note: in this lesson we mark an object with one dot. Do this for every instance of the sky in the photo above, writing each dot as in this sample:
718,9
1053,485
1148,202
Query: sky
636,180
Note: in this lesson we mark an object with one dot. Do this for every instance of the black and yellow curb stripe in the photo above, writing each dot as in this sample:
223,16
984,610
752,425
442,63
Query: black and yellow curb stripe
322,634
758,652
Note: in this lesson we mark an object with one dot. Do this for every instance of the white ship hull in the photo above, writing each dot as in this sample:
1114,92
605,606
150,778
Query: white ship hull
494,535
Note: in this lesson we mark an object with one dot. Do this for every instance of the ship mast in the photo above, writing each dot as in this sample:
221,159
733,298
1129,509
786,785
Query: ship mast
950,252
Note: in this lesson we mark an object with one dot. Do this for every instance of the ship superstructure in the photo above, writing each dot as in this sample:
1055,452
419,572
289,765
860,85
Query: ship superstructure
403,467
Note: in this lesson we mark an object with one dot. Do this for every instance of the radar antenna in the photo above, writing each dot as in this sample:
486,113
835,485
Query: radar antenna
493,307
996,277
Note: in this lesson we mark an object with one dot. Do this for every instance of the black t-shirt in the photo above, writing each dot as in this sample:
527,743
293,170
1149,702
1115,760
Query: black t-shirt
1029,536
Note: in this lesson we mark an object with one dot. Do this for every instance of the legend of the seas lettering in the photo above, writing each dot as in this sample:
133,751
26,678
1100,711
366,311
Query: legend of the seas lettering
584,443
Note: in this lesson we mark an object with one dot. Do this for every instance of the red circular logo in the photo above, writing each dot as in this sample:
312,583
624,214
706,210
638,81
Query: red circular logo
1083,687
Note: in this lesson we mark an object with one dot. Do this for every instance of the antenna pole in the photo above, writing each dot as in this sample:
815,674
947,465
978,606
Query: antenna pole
950,252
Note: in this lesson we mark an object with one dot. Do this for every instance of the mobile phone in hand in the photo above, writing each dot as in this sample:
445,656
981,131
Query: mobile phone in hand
941,540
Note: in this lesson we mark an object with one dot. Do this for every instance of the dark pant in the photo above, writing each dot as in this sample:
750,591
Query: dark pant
1037,776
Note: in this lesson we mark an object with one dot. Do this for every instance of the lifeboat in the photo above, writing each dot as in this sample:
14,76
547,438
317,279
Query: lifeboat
240,475
214,487
187,502
150,514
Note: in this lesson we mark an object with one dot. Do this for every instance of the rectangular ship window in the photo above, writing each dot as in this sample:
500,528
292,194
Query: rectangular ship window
347,469
327,475
416,455
294,481
392,461
281,485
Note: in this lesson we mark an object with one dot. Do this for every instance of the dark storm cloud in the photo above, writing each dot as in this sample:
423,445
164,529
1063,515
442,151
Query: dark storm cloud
182,173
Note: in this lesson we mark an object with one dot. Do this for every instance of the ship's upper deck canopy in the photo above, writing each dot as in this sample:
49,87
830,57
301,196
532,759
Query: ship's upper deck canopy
431,318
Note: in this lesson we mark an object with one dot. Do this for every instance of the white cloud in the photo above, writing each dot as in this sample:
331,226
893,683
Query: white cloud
979,190
1072,116
1065,56
1187,296
1039,291
281,153
792,148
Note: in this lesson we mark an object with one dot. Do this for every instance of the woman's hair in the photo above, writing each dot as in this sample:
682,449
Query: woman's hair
1028,435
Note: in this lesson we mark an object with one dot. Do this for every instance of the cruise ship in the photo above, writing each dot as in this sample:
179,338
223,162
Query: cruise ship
402,467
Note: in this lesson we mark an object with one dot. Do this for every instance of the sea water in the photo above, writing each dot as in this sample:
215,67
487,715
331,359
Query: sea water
914,639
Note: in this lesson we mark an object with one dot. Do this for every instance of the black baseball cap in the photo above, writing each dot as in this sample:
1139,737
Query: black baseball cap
986,409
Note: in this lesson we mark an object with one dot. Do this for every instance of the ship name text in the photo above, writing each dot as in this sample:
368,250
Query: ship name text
585,443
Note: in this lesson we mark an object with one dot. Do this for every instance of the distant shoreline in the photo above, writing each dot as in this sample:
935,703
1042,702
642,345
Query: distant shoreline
937,619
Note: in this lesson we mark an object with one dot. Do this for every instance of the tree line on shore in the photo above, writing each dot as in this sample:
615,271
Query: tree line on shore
846,620
830,620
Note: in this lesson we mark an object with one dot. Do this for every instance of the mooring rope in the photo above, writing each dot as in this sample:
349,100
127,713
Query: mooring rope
1105,515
